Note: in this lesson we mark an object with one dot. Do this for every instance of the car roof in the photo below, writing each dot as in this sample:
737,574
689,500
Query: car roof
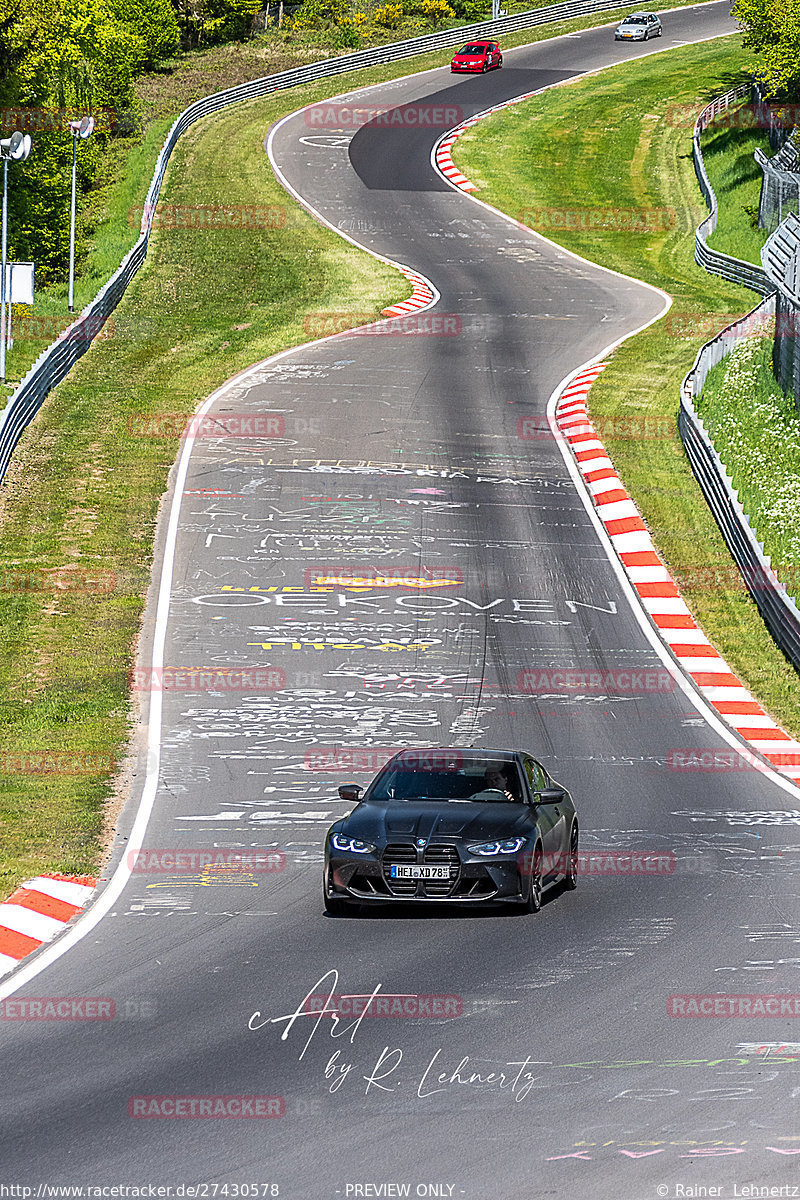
465,751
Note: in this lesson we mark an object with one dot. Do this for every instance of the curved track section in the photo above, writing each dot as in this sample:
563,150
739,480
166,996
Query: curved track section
555,1060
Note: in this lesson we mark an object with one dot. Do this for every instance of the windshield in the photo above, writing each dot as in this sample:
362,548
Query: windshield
473,48
634,21
488,779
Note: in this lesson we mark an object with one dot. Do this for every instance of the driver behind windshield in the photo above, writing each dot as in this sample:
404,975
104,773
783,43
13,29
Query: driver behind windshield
495,780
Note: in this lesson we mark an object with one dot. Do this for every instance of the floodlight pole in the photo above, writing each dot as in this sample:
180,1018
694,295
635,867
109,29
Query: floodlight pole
3,255
80,129
71,300
18,147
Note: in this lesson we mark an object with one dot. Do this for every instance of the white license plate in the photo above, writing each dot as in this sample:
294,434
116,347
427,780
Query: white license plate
411,871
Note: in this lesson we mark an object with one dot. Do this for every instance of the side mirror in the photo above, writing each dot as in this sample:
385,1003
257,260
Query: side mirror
550,796
349,791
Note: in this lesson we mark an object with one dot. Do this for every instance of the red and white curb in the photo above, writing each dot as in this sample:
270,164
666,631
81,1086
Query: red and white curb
657,591
442,151
421,295
445,162
37,911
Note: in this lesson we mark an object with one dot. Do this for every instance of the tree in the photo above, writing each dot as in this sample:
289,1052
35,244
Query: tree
437,11
155,24
14,33
61,59
321,14
78,58
772,31
390,15
209,22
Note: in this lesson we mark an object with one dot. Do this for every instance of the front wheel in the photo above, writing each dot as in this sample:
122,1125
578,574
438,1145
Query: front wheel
571,874
533,901
660,32
336,906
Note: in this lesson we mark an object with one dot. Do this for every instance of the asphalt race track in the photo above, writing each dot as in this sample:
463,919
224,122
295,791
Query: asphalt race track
553,1067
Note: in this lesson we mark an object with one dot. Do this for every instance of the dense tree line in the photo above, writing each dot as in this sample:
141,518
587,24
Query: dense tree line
772,30
60,59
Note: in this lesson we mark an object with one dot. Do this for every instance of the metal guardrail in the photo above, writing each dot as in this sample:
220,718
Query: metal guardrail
714,261
777,130
780,258
56,361
780,185
781,261
779,611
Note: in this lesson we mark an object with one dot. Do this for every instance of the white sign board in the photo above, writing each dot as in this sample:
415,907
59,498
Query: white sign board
19,282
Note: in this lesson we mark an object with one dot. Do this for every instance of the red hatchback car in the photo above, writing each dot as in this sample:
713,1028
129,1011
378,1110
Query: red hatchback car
477,56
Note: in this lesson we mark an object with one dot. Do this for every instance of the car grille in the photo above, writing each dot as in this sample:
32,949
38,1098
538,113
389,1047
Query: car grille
399,853
440,856
434,855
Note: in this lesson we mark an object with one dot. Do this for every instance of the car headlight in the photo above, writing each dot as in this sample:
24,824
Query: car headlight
488,849
340,842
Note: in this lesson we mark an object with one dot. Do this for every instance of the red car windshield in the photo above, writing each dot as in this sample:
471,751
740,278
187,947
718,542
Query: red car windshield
471,49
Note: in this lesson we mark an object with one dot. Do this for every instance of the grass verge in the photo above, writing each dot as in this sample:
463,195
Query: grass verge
623,152
736,179
756,431
82,493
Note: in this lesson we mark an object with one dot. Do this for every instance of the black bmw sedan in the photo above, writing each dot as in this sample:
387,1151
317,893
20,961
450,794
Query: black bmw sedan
453,826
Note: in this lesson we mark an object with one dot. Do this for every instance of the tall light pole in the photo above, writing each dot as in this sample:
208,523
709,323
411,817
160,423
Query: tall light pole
80,129
17,147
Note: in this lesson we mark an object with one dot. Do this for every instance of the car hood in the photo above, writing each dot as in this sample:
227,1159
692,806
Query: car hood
407,820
